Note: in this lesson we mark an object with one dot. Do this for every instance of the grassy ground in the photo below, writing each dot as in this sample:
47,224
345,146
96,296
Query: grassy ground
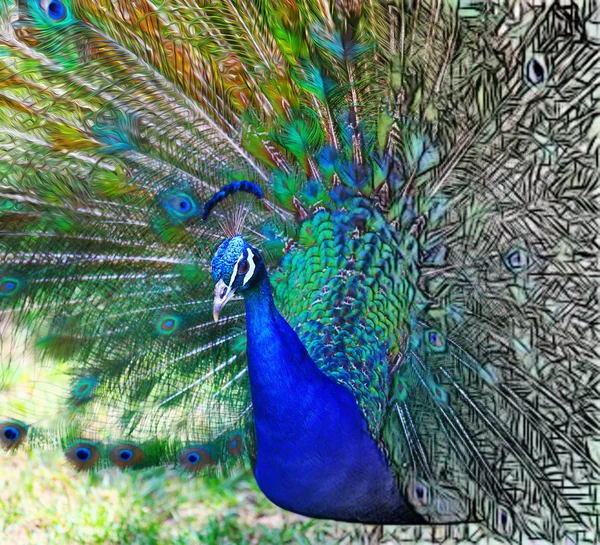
44,502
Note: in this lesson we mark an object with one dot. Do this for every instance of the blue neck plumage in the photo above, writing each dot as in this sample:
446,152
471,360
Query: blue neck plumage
314,452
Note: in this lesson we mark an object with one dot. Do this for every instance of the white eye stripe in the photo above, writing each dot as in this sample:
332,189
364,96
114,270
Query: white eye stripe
250,272
234,273
251,267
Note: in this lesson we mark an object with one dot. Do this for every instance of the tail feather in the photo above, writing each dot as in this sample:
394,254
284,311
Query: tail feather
458,139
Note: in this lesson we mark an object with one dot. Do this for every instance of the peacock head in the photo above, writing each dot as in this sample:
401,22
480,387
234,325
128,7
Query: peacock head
236,267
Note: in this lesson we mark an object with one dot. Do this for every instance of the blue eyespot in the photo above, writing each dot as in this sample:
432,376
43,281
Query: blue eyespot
167,325
11,433
418,493
56,10
9,286
180,206
439,392
536,71
193,458
235,446
435,340
84,388
517,260
402,389
125,455
83,454
504,521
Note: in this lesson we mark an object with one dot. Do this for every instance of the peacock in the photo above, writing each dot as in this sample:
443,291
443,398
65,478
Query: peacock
349,244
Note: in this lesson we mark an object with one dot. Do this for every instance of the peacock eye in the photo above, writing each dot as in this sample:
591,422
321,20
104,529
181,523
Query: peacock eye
537,71
83,454
243,268
9,286
56,10
517,260
182,204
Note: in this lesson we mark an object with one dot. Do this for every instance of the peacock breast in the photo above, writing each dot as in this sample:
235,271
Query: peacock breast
347,289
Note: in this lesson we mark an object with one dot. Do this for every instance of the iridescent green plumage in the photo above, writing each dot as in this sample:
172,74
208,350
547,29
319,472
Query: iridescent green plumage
428,222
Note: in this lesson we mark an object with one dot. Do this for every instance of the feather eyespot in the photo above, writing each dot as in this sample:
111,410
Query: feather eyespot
167,325
439,393
56,10
180,206
10,286
83,456
537,70
194,459
401,390
418,493
504,523
517,260
235,445
443,506
11,435
435,340
83,390
127,455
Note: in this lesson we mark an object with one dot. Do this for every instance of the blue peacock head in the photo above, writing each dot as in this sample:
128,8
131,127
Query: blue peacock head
236,265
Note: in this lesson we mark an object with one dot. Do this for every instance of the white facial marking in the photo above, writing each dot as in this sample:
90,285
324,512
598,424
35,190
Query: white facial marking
234,273
252,265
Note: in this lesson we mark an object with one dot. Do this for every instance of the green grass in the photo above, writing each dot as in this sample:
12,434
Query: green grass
43,501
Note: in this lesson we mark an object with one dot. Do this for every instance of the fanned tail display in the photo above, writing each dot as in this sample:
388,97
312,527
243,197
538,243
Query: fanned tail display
417,178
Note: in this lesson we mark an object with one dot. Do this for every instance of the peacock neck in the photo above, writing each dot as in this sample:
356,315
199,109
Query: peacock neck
260,307
279,365
315,455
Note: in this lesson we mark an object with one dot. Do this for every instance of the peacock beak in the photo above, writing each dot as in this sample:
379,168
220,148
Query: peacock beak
223,293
